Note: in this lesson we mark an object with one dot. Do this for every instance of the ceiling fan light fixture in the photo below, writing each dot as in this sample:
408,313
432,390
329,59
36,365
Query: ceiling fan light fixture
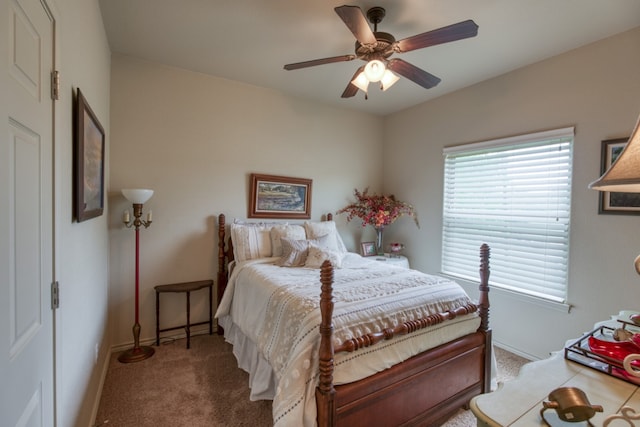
361,82
374,70
388,80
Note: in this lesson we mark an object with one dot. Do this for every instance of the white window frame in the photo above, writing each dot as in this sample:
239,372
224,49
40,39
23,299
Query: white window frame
515,195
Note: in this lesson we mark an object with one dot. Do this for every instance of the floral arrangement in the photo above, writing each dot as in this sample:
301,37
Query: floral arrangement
377,211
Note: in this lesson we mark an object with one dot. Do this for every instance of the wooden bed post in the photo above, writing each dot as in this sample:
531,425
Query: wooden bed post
325,393
222,271
483,309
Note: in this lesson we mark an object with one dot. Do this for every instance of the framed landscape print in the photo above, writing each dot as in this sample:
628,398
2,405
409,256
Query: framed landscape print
614,202
88,164
280,197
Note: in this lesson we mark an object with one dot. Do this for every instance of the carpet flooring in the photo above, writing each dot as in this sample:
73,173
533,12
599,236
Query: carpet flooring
203,386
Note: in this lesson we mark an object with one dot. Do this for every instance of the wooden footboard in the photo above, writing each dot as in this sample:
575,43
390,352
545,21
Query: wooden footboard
424,390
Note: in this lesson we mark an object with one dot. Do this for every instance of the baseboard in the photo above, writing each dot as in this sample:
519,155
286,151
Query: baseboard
179,334
103,376
514,350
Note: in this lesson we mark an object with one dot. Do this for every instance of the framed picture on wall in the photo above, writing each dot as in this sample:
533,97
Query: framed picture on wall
88,165
280,197
614,202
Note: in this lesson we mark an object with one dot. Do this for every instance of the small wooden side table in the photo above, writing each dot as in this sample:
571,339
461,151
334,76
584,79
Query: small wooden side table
186,287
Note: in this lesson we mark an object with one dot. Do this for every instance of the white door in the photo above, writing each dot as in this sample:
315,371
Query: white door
26,215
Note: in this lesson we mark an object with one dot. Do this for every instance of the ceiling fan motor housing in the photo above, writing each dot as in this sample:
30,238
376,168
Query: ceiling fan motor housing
384,46
382,49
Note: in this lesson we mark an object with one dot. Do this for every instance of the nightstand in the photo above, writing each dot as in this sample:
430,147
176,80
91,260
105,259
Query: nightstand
399,260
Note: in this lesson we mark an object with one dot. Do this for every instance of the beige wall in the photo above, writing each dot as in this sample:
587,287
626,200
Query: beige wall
596,89
194,139
82,265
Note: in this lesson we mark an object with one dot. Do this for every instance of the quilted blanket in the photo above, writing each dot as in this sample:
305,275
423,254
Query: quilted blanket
278,309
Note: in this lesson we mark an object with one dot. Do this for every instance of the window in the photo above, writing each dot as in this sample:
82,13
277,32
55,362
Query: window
515,195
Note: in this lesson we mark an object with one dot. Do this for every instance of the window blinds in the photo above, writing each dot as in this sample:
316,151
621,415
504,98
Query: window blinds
515,195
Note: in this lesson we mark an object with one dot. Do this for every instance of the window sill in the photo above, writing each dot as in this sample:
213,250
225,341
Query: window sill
516,296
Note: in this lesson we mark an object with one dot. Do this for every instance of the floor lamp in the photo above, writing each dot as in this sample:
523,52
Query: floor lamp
138,197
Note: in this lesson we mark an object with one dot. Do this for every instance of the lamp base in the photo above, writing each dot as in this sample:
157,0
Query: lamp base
136,354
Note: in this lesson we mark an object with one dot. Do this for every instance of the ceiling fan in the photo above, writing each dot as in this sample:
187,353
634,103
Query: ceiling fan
375,47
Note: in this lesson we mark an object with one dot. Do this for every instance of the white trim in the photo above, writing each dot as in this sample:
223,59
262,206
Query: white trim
151,341
561,307
501,142
98,396
515,351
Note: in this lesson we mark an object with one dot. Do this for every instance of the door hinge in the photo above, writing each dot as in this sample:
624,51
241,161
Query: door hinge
55,295
55,85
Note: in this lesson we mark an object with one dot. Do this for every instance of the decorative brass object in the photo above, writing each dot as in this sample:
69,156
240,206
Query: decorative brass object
571,405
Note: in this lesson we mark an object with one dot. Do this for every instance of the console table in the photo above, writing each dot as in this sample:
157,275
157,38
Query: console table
518,402
186,288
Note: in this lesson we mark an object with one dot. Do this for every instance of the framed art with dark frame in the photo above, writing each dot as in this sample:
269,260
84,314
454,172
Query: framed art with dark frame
88,165
614,202
279,197
368,248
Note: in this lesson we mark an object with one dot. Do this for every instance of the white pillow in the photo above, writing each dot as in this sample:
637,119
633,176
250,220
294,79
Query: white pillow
317,255
277,232
295,252
325,228
250,241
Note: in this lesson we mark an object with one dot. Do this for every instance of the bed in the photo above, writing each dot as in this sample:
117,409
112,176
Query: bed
394,357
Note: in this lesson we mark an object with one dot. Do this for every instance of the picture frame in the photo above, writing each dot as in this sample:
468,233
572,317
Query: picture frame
615,202
88,165
273,196
368,248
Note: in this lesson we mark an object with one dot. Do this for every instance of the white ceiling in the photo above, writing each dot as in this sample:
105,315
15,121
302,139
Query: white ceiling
251,40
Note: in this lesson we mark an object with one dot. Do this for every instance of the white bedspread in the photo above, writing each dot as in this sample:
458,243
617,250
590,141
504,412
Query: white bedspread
277,309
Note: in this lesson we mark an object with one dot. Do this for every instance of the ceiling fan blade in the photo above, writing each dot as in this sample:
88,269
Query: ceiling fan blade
413,73
357,23
352,89
461,30
314,62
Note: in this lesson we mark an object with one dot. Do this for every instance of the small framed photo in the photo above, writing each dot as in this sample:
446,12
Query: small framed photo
614,202
368,248
88,162
280,197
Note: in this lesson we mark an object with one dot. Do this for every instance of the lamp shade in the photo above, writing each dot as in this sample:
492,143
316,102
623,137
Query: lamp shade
137,195
388,80
374,70
361,82
624,174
